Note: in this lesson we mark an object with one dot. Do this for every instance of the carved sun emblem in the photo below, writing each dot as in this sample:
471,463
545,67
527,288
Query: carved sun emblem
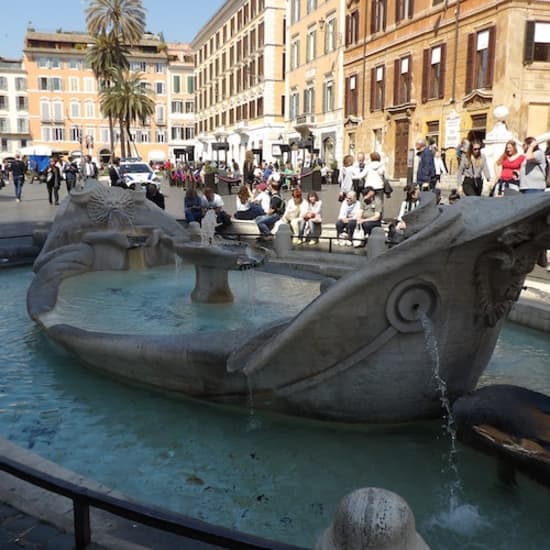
104,201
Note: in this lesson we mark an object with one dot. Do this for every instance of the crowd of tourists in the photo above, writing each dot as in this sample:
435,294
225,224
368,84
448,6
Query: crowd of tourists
57,172
262,204
362,181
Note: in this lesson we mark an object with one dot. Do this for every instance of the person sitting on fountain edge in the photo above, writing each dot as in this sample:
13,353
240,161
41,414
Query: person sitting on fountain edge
213,201
371,212
154,195
347,219
192,205
276,210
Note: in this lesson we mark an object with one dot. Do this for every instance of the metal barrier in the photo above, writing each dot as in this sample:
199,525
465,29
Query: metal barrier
250,236
84,498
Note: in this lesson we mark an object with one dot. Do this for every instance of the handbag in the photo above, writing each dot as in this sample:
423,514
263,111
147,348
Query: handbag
358,236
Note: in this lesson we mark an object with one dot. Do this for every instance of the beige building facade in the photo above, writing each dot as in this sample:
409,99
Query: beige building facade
287,77
437,69
181,103
314,78
239,75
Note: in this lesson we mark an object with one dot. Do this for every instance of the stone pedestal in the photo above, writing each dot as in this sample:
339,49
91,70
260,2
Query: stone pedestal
495,140
282,244
211,286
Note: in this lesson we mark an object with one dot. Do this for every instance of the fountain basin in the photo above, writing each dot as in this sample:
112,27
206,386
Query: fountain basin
359,349
226,466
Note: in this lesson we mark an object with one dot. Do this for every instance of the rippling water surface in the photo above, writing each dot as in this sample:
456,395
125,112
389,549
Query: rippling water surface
157,301
278,477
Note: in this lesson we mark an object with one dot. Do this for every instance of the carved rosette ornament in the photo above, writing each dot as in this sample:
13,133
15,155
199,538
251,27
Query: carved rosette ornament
500,273
409,301
104,202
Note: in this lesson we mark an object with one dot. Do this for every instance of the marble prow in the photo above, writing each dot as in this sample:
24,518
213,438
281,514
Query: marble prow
324,320
343,325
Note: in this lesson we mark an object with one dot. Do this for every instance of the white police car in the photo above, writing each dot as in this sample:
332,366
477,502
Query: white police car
136,173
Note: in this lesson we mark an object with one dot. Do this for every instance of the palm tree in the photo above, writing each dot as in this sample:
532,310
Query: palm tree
121,19
115,24
105,54
128,100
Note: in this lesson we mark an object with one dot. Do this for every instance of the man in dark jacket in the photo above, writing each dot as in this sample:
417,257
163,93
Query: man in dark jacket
114,173
276,210
53,181
425,174
18,170
90,168
71,173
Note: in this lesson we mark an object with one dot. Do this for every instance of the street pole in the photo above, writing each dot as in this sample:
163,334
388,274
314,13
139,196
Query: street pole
81,165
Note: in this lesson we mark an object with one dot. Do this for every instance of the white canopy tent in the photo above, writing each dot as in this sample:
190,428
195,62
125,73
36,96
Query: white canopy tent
38,150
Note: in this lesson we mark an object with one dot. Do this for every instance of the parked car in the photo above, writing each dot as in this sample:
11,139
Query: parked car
137,173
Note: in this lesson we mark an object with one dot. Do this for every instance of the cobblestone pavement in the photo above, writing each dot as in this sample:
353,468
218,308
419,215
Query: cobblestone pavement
18,530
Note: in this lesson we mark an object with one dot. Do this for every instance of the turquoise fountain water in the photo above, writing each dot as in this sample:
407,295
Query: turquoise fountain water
156,301
278,477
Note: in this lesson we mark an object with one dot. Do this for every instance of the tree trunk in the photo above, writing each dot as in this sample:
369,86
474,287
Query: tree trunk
112,137
129,139
122,140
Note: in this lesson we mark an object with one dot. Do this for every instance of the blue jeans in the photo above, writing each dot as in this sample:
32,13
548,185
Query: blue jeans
265,223
193,215
18,182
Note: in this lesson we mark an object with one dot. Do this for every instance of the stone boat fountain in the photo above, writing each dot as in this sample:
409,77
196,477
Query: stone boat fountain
355,353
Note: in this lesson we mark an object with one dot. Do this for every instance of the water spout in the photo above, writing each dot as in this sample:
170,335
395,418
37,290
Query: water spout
455,485
208,228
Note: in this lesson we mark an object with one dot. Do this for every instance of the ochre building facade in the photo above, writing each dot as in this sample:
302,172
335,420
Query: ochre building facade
437,69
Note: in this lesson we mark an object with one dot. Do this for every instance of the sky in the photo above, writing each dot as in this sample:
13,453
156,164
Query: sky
178,20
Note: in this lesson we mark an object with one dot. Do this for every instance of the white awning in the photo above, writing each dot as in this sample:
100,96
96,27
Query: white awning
157,156
39,150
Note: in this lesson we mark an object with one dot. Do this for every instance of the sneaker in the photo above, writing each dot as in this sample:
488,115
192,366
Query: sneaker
313,242
17,200
296,240
348,243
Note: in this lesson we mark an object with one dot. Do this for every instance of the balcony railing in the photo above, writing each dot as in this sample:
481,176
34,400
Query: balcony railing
305,119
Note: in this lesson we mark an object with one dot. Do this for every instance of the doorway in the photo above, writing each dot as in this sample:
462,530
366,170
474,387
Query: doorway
401,148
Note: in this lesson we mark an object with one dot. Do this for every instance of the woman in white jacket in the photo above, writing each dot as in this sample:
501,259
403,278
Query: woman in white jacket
295,209
375,172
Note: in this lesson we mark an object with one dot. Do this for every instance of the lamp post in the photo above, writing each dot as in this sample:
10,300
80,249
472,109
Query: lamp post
81,164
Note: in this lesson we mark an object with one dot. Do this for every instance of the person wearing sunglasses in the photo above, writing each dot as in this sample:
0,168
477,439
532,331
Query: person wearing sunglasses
473,168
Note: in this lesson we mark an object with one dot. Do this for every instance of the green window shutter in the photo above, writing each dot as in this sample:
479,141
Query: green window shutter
529,46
